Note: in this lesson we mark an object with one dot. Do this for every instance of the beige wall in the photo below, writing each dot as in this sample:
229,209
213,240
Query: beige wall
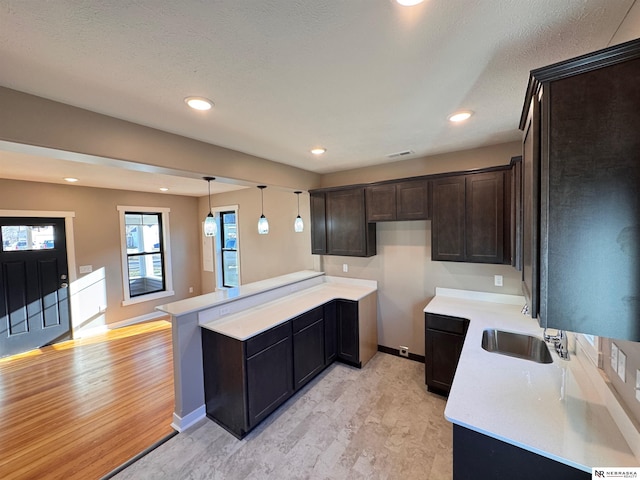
264,256
81,135
491,156
97,239
406,275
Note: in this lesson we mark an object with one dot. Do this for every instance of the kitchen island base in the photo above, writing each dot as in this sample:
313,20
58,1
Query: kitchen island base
480,457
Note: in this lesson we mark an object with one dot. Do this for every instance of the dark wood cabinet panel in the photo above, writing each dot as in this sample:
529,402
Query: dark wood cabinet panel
476,455
516,213
348,232
404,200
330,333
318,223
484,212
412,200
448,220
348,333
381,202
468,221
308,346
268,380
589,204
444,337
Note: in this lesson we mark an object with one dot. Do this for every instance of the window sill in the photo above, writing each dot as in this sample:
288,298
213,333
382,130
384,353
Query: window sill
147,298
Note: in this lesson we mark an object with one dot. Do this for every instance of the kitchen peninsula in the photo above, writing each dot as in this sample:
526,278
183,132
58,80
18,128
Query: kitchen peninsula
253,309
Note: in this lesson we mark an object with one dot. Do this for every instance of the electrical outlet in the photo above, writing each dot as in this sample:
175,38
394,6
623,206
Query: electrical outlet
614,357
225,310
345,267
622,365
404,351
190,289
497,280
638,385
85,268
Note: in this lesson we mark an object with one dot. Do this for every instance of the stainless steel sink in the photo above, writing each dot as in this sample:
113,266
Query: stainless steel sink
516,345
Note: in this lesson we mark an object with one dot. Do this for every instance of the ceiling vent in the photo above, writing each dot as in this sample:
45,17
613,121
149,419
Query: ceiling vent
404,153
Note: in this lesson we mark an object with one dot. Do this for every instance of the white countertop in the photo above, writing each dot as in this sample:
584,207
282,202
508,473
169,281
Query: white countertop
550,409
250,322
208,300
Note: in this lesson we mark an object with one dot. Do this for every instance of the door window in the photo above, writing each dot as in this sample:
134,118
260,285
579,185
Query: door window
27,237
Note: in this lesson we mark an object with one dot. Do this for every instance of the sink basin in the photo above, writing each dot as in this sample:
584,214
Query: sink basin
516,345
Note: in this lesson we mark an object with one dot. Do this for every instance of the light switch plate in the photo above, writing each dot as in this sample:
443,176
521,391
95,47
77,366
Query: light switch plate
622,365
614,357
638,385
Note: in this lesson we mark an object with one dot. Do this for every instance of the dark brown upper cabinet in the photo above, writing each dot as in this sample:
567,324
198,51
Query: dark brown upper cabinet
468,221
404,200
581,151
343,228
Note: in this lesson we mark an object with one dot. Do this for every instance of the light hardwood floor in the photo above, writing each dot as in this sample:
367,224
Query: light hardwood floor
374,423
79,409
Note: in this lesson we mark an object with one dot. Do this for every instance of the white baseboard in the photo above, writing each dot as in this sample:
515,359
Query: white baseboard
182,423
88,332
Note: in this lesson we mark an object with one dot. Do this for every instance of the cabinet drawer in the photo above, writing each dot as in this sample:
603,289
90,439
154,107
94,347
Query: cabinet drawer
445,323
307,319
268,338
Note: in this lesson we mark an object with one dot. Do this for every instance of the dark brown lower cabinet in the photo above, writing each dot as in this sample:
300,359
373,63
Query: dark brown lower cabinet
348,332
308,346
479,457
444,337
245,381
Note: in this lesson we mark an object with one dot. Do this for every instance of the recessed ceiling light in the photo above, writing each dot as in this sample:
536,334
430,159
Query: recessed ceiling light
318,150
199,103
71,179
409,3
164,189
460,116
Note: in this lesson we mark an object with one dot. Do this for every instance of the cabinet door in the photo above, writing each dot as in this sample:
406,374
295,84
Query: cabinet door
269,380
484,230
348,334
412,200
348,232
308,353
531,208
442,354
516,213
330,333
318,224
448,219
381,202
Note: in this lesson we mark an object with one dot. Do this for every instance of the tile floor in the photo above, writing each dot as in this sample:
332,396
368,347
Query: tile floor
375,423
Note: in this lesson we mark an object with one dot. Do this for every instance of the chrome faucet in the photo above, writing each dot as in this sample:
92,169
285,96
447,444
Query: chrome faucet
560,343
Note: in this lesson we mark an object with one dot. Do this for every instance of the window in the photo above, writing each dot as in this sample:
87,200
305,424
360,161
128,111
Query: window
225,248
229,251
146,266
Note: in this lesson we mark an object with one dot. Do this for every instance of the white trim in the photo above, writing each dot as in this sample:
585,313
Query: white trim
124,323
168,292
182,423
217,253
68,228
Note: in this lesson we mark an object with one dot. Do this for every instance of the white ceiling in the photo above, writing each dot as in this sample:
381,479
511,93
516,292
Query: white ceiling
363,78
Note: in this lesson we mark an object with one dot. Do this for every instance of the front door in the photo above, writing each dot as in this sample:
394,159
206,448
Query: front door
34,299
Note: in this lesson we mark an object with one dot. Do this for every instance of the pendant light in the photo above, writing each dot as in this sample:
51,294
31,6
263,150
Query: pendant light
263,223
210,224
298,225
